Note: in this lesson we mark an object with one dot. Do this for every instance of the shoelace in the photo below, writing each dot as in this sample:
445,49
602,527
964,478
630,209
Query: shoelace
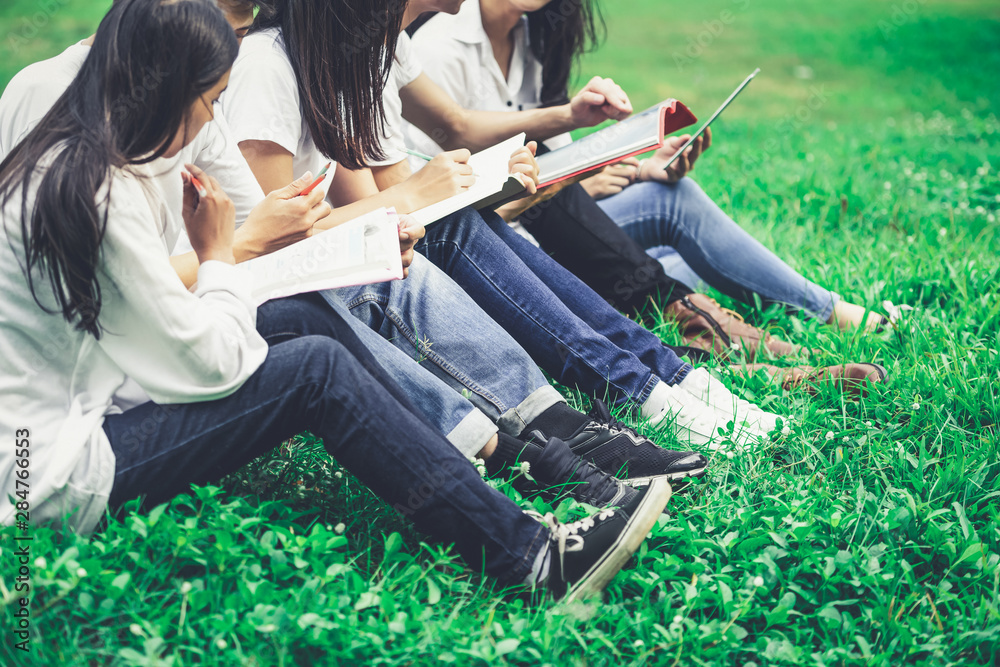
562,533
603,416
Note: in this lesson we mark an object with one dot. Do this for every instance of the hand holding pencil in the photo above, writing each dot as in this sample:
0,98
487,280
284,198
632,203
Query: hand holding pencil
444,176
209,216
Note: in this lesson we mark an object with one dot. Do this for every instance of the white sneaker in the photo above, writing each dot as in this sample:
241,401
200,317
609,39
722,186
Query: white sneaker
708,389
697,422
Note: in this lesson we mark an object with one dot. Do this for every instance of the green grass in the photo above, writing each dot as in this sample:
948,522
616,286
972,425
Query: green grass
872,527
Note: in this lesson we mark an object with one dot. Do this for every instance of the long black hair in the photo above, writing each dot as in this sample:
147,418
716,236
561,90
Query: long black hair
151,60
341,51
559,33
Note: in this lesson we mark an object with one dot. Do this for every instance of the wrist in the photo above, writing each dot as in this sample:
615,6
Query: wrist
245,246
216,255
403,197
564,118
638,170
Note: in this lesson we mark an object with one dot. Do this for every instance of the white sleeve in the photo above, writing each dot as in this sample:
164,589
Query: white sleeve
221,158
407,60
451,67
178,346
262,100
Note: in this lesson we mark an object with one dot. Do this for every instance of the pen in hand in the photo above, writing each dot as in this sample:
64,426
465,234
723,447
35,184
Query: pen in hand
319,179
195,183
425,158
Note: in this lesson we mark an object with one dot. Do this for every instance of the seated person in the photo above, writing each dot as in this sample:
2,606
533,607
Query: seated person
85,262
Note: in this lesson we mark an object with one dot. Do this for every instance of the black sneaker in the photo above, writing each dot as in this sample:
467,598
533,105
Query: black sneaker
617,449
585,555
559,473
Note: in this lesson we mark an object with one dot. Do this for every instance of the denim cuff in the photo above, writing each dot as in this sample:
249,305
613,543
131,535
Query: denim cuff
472,434
517,418
822,314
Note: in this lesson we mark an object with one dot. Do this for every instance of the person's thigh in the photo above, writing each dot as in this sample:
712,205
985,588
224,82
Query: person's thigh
410,383
721,252
435,322
577,234
598,316
468,250
313,383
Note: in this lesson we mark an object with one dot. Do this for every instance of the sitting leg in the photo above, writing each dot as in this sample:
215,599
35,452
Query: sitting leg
313,383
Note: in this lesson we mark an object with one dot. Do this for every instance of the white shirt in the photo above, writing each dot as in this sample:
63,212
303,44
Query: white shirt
405,69
262,102
36,88
58,382
455,51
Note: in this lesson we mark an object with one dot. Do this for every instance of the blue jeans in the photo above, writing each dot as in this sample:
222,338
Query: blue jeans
438,326
313,383
447,410
570,331
711,246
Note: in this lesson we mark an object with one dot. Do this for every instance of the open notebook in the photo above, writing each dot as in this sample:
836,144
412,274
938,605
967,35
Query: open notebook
632,136
358,252
495,185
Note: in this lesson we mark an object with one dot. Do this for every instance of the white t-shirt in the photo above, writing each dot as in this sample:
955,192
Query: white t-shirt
455,51
58,382
262,102
405,69
36,88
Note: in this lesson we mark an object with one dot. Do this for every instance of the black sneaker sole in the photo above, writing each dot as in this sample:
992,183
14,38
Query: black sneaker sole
596,579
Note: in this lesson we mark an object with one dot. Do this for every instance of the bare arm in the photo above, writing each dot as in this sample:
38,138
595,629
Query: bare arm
281,218
430,108
390,175
355,192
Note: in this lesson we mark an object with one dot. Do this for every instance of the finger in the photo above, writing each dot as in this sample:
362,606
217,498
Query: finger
319,212
460,155
532,146
198,180
295,187
708,139
615,112
695,150
682,165
416,230
314,198
592,98
465,169
466,181
620,99
619,182
633,161
530,183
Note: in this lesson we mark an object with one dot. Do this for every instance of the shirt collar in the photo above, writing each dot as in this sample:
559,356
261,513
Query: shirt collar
469,25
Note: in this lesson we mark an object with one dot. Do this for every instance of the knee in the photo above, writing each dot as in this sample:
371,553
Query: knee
312,357
687,188
459,227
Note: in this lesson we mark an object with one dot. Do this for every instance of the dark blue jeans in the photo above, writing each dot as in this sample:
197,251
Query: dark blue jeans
314,383
568,329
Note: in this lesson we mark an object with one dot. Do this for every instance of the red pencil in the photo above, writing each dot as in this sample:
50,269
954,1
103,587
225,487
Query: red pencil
202,192
196,184
318,180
